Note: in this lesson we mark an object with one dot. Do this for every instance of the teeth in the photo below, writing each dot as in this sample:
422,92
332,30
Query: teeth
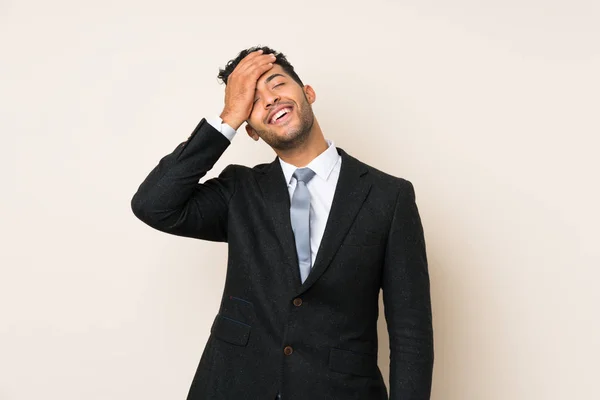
279,114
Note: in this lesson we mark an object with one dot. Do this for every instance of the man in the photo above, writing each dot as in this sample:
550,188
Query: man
312,237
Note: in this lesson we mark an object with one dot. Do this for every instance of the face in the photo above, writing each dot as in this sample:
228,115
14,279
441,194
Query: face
282,114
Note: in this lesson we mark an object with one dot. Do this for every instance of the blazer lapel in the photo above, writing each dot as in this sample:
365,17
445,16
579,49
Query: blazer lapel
277,201
350,193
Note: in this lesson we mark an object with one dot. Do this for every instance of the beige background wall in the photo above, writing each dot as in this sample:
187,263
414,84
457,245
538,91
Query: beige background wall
490,108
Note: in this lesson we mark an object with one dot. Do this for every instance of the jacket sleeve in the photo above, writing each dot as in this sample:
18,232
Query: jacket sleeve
171,200
407,303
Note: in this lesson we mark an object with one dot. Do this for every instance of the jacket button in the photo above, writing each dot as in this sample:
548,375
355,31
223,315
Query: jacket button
297,301
288,350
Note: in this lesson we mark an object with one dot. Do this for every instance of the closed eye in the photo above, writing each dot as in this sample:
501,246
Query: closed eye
279,84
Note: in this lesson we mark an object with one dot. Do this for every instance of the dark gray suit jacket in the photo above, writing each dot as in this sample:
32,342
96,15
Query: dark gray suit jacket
315,340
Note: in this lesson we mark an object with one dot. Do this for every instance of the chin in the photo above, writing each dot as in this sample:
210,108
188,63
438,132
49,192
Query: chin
294,139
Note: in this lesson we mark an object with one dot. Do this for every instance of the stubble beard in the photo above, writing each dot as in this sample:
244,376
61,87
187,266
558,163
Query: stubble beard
295,136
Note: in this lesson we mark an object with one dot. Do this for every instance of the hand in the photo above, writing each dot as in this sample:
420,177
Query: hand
241,86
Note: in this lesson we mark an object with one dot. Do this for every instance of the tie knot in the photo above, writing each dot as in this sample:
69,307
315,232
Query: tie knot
304,174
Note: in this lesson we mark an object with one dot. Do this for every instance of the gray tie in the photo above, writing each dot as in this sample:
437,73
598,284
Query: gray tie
300,216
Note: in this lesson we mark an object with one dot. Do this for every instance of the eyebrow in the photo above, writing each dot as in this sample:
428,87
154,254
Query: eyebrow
270,78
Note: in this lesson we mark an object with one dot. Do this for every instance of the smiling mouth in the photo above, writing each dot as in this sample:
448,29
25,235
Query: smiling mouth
281,116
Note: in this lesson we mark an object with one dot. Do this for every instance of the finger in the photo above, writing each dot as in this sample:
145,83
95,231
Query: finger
258,69
249,57
257,62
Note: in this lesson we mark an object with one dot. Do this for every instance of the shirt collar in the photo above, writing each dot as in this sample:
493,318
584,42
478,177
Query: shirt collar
322,164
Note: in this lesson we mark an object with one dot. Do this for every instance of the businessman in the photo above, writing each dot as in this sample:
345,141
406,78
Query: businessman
312,238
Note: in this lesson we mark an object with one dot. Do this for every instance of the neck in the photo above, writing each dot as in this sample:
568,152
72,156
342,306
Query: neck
309,150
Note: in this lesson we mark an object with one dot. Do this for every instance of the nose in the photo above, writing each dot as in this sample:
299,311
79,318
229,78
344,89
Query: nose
271,100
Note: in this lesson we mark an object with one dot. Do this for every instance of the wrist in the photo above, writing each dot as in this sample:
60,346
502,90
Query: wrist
230,120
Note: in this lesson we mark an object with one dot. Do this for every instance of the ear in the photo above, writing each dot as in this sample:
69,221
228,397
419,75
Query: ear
311,96
251,132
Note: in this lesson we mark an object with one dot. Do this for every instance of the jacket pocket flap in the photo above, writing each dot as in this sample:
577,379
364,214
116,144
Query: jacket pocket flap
230,330
351,362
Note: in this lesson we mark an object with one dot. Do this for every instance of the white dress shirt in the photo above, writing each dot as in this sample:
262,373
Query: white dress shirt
222,127
321,187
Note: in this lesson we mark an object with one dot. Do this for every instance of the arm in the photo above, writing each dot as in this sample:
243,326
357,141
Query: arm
171,200
407,303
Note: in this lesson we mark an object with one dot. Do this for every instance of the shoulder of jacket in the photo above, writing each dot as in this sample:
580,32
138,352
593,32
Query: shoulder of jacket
243,169
385,178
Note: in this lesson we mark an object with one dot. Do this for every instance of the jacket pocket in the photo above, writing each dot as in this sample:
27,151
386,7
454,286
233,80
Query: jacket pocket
351,362
230,330
237,309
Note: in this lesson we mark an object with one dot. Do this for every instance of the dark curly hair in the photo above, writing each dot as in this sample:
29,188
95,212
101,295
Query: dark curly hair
280,60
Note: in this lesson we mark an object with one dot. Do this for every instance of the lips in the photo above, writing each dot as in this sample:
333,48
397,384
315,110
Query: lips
277,115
